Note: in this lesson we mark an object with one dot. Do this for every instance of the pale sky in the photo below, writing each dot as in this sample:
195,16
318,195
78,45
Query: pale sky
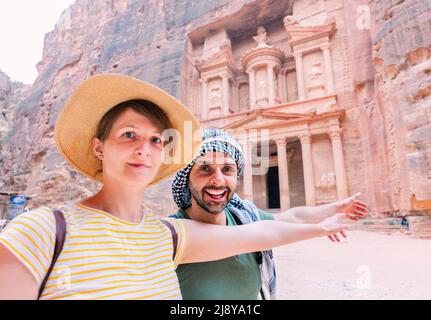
23,25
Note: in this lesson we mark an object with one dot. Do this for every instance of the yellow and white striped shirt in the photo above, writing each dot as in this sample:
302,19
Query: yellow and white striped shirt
103,257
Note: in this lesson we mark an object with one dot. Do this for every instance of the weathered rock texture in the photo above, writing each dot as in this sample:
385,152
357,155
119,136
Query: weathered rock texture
144,39
391,77
382,62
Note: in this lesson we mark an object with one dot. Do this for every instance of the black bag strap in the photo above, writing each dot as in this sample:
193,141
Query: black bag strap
60,237
238,222
174,236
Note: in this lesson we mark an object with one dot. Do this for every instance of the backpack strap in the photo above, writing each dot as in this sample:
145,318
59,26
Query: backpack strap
174,237
60,237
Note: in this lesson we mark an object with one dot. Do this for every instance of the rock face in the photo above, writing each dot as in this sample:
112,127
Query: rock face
144,39
382,62
397,110
5,86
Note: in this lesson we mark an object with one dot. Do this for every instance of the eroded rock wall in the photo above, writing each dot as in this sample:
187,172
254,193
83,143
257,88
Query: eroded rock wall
145,39
401,113
382,72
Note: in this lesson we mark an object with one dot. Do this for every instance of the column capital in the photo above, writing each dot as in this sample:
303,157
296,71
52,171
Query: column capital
203,80
335,134
283,71
305,138
250,70
298,54
325,46
225,76
270,65
280,141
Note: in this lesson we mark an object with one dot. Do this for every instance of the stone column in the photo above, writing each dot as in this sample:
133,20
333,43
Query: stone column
271,93
204,113
328,70
282,85
248,171
252,88
300,75
225,86
307,163
340,169
283,174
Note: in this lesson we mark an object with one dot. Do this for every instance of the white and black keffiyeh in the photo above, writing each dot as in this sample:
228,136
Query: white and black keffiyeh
213,140
216,140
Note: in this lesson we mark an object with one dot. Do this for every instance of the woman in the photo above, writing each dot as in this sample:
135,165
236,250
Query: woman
112,129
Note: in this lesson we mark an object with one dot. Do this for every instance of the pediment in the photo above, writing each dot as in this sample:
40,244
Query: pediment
267,118
223,58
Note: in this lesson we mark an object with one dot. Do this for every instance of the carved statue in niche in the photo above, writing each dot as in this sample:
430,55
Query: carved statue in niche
326,182
315,84
261,88
315,73
215,97
244,100
274,80
291,86
261,38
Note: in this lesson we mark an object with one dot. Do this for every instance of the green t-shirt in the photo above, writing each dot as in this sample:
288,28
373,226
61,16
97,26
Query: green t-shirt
233,278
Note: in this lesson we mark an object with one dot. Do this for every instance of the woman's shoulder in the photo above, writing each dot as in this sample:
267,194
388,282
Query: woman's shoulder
43,216
31,229
40,217
66,208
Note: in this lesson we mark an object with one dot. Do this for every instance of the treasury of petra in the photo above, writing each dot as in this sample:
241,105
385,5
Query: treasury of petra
326,97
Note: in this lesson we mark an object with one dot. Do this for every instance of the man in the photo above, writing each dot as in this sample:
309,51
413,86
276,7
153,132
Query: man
205,191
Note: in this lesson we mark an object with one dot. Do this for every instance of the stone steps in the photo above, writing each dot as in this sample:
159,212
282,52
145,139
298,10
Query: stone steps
419,226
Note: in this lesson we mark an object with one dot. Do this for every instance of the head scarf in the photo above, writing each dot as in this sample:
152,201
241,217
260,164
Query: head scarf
213,140
216,140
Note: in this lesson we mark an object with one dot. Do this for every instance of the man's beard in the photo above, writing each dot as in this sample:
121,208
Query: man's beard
200,200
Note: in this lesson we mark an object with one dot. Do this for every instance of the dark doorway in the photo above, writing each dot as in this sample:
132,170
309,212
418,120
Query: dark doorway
273,188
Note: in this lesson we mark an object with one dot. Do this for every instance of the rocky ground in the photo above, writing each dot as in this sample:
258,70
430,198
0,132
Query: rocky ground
367,265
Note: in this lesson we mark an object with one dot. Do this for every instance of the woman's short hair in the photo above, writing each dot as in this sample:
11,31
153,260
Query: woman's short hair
144,107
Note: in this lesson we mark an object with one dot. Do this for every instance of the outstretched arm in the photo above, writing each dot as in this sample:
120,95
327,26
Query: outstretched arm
16,281
206,242
351,207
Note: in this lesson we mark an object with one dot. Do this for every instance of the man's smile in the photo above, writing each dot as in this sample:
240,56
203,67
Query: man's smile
216,195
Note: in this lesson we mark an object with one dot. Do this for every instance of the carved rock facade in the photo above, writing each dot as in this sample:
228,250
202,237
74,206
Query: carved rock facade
327,97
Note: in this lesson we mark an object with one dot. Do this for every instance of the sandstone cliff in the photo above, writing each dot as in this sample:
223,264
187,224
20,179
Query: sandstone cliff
386,88
144,39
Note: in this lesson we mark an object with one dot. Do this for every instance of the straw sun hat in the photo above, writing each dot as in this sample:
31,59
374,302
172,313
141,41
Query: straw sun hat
77,123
